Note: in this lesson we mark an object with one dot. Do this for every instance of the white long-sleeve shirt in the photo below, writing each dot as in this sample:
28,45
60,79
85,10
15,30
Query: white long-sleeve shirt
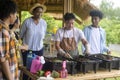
33,34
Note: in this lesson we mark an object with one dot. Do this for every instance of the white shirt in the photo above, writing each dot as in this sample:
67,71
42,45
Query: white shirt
33,34
95,41
78,34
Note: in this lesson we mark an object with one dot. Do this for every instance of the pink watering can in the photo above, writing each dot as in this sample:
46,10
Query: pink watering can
36,65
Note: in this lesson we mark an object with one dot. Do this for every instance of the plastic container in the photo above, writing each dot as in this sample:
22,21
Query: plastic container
30,57
36,65
53,63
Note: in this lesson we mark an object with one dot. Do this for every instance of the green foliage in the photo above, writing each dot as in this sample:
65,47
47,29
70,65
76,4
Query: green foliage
86,23
78,25
24,15
50,22
109,11
111,22
106,8
112,28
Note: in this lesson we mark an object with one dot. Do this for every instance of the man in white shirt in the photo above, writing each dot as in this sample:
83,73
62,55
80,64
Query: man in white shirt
95,34
68,37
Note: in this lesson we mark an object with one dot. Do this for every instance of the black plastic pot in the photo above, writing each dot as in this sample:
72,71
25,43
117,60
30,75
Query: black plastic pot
108,62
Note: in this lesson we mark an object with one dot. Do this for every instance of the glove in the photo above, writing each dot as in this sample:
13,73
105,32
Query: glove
87,49
61,51
109,52
68,56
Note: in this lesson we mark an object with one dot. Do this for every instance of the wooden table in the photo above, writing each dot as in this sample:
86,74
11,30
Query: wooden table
25,71
93,76
102,74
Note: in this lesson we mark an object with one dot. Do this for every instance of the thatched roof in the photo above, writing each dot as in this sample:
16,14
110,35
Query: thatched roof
80,7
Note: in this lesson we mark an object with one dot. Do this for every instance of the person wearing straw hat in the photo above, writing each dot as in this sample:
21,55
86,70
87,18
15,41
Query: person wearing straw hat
33,31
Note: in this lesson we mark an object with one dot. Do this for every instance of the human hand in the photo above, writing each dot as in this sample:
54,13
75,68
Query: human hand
23,47
109,52
87,52
61,52
87,49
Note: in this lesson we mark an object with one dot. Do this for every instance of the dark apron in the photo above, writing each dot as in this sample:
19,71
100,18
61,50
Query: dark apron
69,45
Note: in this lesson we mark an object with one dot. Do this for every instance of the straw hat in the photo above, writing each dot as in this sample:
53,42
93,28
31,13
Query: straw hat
37,5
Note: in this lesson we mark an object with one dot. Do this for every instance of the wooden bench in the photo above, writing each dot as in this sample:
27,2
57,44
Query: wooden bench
25,71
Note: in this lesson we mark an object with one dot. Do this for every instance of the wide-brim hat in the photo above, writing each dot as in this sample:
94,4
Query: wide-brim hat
37,5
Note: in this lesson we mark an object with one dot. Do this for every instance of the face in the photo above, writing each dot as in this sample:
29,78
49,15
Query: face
13,18
38,12
69,24
95,21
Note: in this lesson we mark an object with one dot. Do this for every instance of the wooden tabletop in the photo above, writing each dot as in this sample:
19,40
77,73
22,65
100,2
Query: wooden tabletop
101,74
90,76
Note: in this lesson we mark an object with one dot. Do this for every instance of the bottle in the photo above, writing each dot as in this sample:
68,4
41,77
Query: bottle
30,57
63,72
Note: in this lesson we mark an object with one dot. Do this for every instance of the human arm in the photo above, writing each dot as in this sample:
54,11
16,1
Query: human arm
61,51
6,68
4,55
86,46
57,42
23,29
103,42
45,28
23,47
20,45
17,26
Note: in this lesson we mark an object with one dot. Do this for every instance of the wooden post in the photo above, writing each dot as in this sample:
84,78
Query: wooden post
67,7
